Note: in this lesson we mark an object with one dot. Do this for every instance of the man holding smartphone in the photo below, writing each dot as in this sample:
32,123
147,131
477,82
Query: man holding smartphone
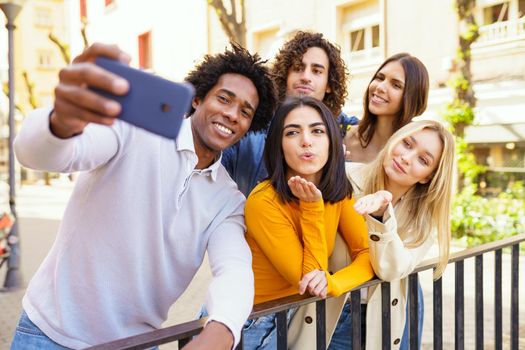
145,209
307,65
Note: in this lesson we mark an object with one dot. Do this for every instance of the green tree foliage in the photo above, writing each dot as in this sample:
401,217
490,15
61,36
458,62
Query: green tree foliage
477,220
460,111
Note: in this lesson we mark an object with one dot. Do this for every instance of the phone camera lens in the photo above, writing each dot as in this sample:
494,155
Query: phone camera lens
165,107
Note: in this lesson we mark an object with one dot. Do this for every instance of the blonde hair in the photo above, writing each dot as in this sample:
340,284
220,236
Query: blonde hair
424,206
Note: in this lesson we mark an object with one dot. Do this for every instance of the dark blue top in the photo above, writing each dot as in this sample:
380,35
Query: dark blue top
244,160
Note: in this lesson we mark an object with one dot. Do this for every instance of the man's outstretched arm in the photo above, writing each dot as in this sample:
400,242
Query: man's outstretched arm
230,295
46,141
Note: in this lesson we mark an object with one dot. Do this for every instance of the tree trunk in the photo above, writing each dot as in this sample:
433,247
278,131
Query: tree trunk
233,23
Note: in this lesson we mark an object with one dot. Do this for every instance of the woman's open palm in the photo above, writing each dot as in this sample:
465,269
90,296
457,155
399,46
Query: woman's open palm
374,204
304,190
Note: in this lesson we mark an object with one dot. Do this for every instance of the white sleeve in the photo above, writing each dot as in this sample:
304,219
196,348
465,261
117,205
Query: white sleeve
230,294
37,148
389,257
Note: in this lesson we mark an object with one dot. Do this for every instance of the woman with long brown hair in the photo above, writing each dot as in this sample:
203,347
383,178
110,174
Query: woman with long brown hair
397,93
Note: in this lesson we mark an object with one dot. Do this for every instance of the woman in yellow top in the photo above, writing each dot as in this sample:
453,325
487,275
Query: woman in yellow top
292,218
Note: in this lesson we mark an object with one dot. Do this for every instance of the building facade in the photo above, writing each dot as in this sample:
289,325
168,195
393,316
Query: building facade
169,37
37,62
369,31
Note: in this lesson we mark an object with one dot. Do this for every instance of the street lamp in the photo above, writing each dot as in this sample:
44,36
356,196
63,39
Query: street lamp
13,277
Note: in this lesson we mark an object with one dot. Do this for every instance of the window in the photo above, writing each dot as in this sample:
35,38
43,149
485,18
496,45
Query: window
43,17
83,10
357,42
145,50
359,32
45,59
267,42
500,21
365,38
496,13
375,36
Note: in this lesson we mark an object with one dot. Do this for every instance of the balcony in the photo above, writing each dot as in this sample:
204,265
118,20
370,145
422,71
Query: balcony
501,32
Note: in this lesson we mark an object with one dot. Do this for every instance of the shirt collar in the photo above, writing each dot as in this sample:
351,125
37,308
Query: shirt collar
185,142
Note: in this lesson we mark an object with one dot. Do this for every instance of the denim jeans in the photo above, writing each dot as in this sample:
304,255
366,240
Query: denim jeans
342,339
259,333
29,337
405,340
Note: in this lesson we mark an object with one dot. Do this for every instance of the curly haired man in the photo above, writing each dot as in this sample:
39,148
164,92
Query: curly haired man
307,64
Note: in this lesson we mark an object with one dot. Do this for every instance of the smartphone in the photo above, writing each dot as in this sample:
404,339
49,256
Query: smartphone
152,103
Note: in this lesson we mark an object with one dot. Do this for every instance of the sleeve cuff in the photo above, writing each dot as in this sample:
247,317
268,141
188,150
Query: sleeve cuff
382,231
317,206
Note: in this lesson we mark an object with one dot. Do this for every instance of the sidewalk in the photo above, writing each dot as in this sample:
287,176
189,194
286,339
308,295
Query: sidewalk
40,209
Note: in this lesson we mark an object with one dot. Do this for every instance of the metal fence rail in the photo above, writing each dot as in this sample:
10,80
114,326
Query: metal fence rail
185,331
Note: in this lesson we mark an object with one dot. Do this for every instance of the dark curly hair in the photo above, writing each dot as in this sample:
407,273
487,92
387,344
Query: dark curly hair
292,54
238,61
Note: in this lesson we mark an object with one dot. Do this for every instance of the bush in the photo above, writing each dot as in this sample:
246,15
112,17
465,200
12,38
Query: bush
477,220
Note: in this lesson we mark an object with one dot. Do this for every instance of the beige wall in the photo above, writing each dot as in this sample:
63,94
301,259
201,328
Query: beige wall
426,29
31,41
178,31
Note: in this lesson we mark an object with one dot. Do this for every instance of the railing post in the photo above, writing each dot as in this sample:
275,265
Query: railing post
498,310
514,306
282,330
355,304
320,321
413,331
183,342
438,314
386,337
459,305
479,301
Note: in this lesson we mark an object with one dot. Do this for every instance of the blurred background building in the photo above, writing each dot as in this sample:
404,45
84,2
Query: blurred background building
169,37
37,61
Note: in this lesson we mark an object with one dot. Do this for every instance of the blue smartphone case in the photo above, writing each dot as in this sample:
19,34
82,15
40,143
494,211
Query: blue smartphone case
152,103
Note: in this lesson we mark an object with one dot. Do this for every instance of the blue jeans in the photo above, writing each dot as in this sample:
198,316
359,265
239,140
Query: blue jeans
342,339
261,333
29,337
258,333
405,341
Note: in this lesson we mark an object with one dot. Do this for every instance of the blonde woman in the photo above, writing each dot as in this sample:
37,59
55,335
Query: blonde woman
407,209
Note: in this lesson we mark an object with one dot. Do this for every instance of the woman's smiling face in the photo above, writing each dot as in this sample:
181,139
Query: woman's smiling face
385,92
413,159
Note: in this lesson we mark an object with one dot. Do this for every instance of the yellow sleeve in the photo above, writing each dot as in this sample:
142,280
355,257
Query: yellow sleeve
270,224
315,253
353,228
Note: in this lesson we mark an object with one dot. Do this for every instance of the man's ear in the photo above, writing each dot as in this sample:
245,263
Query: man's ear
195,102
328,89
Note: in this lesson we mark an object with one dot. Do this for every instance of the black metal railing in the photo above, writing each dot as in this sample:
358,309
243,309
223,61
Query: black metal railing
185,331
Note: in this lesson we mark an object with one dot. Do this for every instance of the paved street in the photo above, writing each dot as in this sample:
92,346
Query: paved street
40,209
